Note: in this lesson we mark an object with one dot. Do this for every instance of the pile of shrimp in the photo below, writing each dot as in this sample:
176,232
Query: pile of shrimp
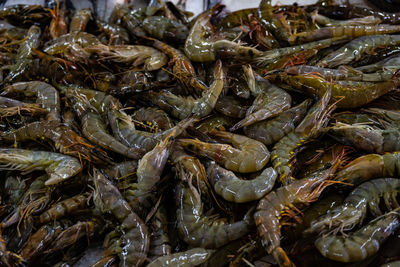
262,137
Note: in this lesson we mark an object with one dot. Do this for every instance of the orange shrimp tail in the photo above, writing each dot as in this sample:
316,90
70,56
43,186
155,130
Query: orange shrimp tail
282,258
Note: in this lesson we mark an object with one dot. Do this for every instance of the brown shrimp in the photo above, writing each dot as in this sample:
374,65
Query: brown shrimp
197,229
135,237
63,208
80,19
278,202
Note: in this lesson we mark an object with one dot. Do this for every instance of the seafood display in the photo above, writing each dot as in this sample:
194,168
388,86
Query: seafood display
261,137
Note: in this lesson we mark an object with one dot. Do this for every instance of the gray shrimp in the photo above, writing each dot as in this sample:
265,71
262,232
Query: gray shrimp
63,208
270,100
158,226
231,188
182,107
356,48
117,35
59,167
311,126
46,95
200,230
94,129
188,258
273,130
354,208
135,238
361,244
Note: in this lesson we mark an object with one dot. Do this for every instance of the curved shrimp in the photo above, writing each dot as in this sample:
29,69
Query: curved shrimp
94,129
46,95
134,54
325,21
244,156
181,107
153,118
275,204
356,48
191,257
271,131
135,238
196,229
231,188
354,208
270,100
59,167
284,152
347,31
361,244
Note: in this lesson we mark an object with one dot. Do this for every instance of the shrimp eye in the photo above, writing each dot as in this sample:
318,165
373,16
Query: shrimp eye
190,146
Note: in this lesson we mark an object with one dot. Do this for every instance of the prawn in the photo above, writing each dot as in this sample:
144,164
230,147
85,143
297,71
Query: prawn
191,257
244,156
59,167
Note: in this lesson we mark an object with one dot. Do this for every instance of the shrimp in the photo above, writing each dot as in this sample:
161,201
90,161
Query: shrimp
352,95
182,68
352,32
64,208
134,54
165,29
244,156
34,201
367,137
271,131
361,244
7,257
94,129
58,26
354,208
181,107
278,202
356,48
273,55
130,19
72,234
284,152
59,167
325,21
271,23
191,257
154,118
343,73
72,46
39,241
24,54
152,163
11,107
200,230
117,35
231,188
64,139
80,19
231,106
270,100
160,243
46,95
135,238
216,122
